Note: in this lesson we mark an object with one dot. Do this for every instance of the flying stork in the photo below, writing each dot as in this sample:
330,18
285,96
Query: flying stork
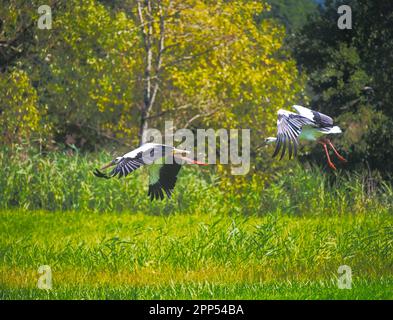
164,163
307,125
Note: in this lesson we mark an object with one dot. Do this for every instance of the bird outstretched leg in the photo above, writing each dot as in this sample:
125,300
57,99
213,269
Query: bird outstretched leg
339,156
330,163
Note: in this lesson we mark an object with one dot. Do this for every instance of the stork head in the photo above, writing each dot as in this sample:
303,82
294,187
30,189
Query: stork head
180,152
270,140
112,163
182,155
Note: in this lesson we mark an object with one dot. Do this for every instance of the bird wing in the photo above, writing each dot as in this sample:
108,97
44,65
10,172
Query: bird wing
162,177
126,166
320,120
289,127
144,155
149,152
100,174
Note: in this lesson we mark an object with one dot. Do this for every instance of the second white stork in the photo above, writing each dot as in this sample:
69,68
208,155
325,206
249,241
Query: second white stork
308,125
164,163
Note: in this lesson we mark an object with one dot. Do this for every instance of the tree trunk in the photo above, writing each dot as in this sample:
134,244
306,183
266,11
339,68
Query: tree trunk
151,74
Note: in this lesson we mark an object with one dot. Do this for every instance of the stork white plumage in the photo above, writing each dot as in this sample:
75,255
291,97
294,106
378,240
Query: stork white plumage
307,125
164,164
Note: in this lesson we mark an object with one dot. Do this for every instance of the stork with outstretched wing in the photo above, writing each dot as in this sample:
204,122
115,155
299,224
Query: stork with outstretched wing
307,125
164,165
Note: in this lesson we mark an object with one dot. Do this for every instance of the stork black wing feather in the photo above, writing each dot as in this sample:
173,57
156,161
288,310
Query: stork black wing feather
283,146
122,169
126,166
289,147
161,194
295,142
166,181
278,146
100,174
322,120
289,127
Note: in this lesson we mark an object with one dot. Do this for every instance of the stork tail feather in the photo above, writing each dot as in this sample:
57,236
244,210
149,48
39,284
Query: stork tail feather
100,174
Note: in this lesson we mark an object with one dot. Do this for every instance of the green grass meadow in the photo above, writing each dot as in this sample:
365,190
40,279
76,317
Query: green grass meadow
105,240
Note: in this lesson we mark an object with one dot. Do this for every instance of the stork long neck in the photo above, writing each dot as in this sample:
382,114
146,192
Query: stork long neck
271,140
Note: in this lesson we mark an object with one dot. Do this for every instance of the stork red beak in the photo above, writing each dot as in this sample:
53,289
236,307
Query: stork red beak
188,160
198,162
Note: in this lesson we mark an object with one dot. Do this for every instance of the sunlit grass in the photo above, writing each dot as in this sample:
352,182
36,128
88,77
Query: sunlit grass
378,289
105,239
58,182
122,255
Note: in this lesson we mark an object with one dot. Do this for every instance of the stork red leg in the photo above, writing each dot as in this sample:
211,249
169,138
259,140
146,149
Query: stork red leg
330,163
339,156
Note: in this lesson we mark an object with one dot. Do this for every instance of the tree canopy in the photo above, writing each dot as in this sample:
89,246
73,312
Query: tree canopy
108,70
350,75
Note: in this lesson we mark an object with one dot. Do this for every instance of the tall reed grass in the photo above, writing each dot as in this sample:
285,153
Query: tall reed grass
60,181
219,237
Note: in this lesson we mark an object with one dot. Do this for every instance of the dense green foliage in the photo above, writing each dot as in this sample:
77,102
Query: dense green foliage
206,255
62,181
364,290
108,71
293,14
350,76
212,64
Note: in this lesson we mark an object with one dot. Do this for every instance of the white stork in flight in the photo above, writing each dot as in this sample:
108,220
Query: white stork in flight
308,125
164,164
